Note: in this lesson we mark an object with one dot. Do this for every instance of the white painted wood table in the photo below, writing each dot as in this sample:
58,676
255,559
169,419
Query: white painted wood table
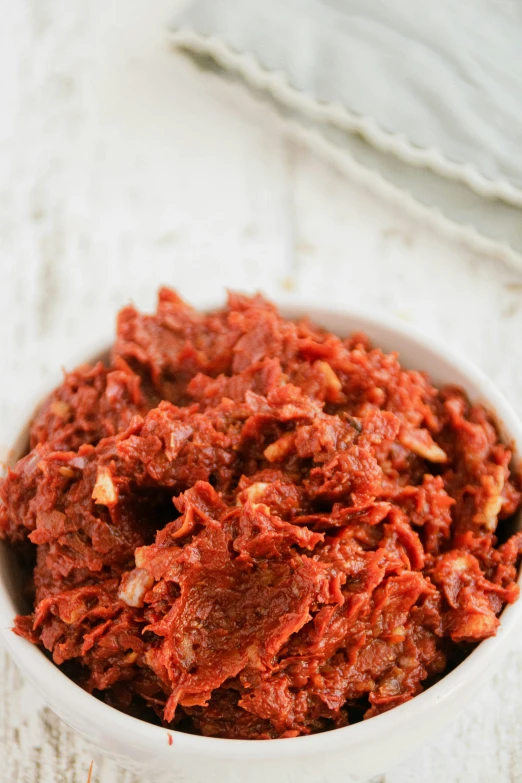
123,167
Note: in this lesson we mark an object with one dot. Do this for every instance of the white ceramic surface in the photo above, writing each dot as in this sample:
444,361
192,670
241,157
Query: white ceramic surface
363,749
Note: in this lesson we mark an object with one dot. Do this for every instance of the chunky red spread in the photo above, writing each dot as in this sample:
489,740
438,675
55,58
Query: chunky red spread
249,528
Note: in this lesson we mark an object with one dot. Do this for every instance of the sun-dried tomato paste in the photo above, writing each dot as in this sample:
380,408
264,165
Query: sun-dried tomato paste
247,527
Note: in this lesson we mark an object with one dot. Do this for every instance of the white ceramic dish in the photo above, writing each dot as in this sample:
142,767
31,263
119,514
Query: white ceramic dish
364,749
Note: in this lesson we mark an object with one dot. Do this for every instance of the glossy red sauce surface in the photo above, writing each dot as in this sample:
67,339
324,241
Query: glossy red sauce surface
249,528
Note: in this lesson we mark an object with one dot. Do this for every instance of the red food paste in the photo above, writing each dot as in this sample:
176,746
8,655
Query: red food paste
250,528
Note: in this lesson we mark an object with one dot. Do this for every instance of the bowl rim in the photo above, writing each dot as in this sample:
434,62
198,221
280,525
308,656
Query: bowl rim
56,688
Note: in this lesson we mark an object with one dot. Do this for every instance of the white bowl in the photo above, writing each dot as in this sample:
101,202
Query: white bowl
363,749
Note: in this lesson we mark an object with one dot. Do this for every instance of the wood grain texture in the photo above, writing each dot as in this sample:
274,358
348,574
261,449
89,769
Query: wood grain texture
122,167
